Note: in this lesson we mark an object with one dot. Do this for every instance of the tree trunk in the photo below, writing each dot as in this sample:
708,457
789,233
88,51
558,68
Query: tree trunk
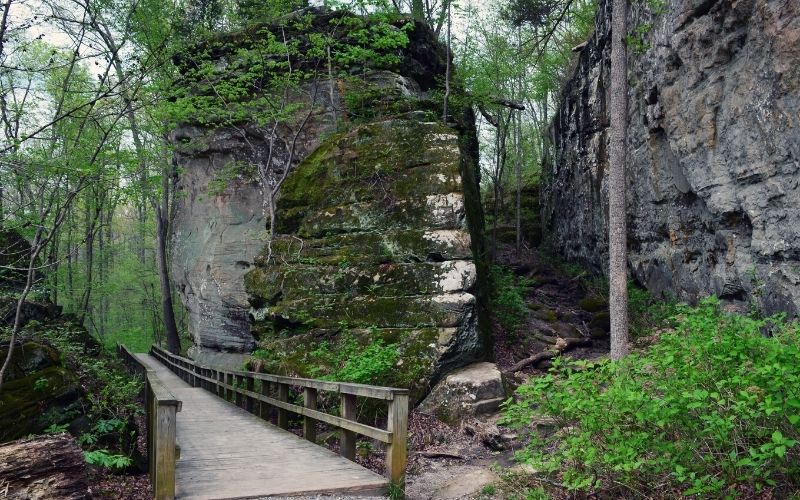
518,168
447,71
44,467
162,233
418,10
617,229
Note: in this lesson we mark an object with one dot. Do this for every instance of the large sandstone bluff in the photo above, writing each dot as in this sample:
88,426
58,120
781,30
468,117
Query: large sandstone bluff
713,153
379,224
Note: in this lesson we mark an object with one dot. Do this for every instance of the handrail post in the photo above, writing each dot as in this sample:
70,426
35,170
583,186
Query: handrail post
309,424
397,452
239,385
164,460
149,401
347,441
229,383
250,384
283,415
264,409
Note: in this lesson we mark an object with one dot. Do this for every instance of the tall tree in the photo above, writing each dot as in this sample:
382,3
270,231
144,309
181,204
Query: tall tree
617,226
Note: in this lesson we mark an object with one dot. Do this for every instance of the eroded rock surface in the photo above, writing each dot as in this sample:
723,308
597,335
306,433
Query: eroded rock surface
473,390
713,153
378,225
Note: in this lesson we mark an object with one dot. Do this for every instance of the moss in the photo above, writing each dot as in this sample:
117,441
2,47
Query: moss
291,281
329,311
593,303
545,314
22,401
312,355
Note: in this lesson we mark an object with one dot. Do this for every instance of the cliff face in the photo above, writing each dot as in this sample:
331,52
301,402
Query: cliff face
713,153
379,224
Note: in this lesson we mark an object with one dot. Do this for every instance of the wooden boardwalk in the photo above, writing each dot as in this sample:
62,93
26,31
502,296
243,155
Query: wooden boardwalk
227,452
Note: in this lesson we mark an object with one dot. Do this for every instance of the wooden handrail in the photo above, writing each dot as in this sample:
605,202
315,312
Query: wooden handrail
272,395
161,407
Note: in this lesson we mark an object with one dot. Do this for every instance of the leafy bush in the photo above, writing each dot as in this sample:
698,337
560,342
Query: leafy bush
352,362
508,297
712,409
648,312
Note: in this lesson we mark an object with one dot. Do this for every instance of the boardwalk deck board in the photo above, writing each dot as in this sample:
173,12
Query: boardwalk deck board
228,453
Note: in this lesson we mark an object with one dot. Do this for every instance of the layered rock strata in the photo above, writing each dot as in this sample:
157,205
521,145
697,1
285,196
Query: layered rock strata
713,152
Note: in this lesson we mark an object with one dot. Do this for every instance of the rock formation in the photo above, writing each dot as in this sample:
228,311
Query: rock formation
714,152
379,223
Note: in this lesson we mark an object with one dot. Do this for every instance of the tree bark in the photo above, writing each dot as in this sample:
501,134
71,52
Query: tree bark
162,233
44,467
617,228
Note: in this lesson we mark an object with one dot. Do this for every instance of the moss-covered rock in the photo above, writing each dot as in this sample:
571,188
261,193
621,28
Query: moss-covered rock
593,303
38,392
374,238
379,224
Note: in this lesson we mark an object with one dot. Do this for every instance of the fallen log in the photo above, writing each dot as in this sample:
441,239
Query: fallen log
561,346
45,467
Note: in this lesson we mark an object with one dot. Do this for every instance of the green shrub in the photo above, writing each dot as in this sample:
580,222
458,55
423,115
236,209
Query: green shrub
712,409
508,297
104,458
647,312
352,362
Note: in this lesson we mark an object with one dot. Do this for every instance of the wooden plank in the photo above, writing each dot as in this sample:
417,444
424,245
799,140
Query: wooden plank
347,441
397,453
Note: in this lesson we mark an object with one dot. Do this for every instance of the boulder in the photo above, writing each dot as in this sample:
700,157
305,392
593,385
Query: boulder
38,391
473,390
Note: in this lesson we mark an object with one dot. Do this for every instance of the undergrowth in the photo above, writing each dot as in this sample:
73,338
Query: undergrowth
508,297
108,434
710,409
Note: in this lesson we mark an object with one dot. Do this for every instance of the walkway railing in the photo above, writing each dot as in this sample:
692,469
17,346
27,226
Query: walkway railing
261,393
161,408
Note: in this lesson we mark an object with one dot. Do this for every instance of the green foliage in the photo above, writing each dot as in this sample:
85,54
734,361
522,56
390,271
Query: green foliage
232,171
508,297
350,361
647,312
41,384
111,393
57,429
104,458
711,409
